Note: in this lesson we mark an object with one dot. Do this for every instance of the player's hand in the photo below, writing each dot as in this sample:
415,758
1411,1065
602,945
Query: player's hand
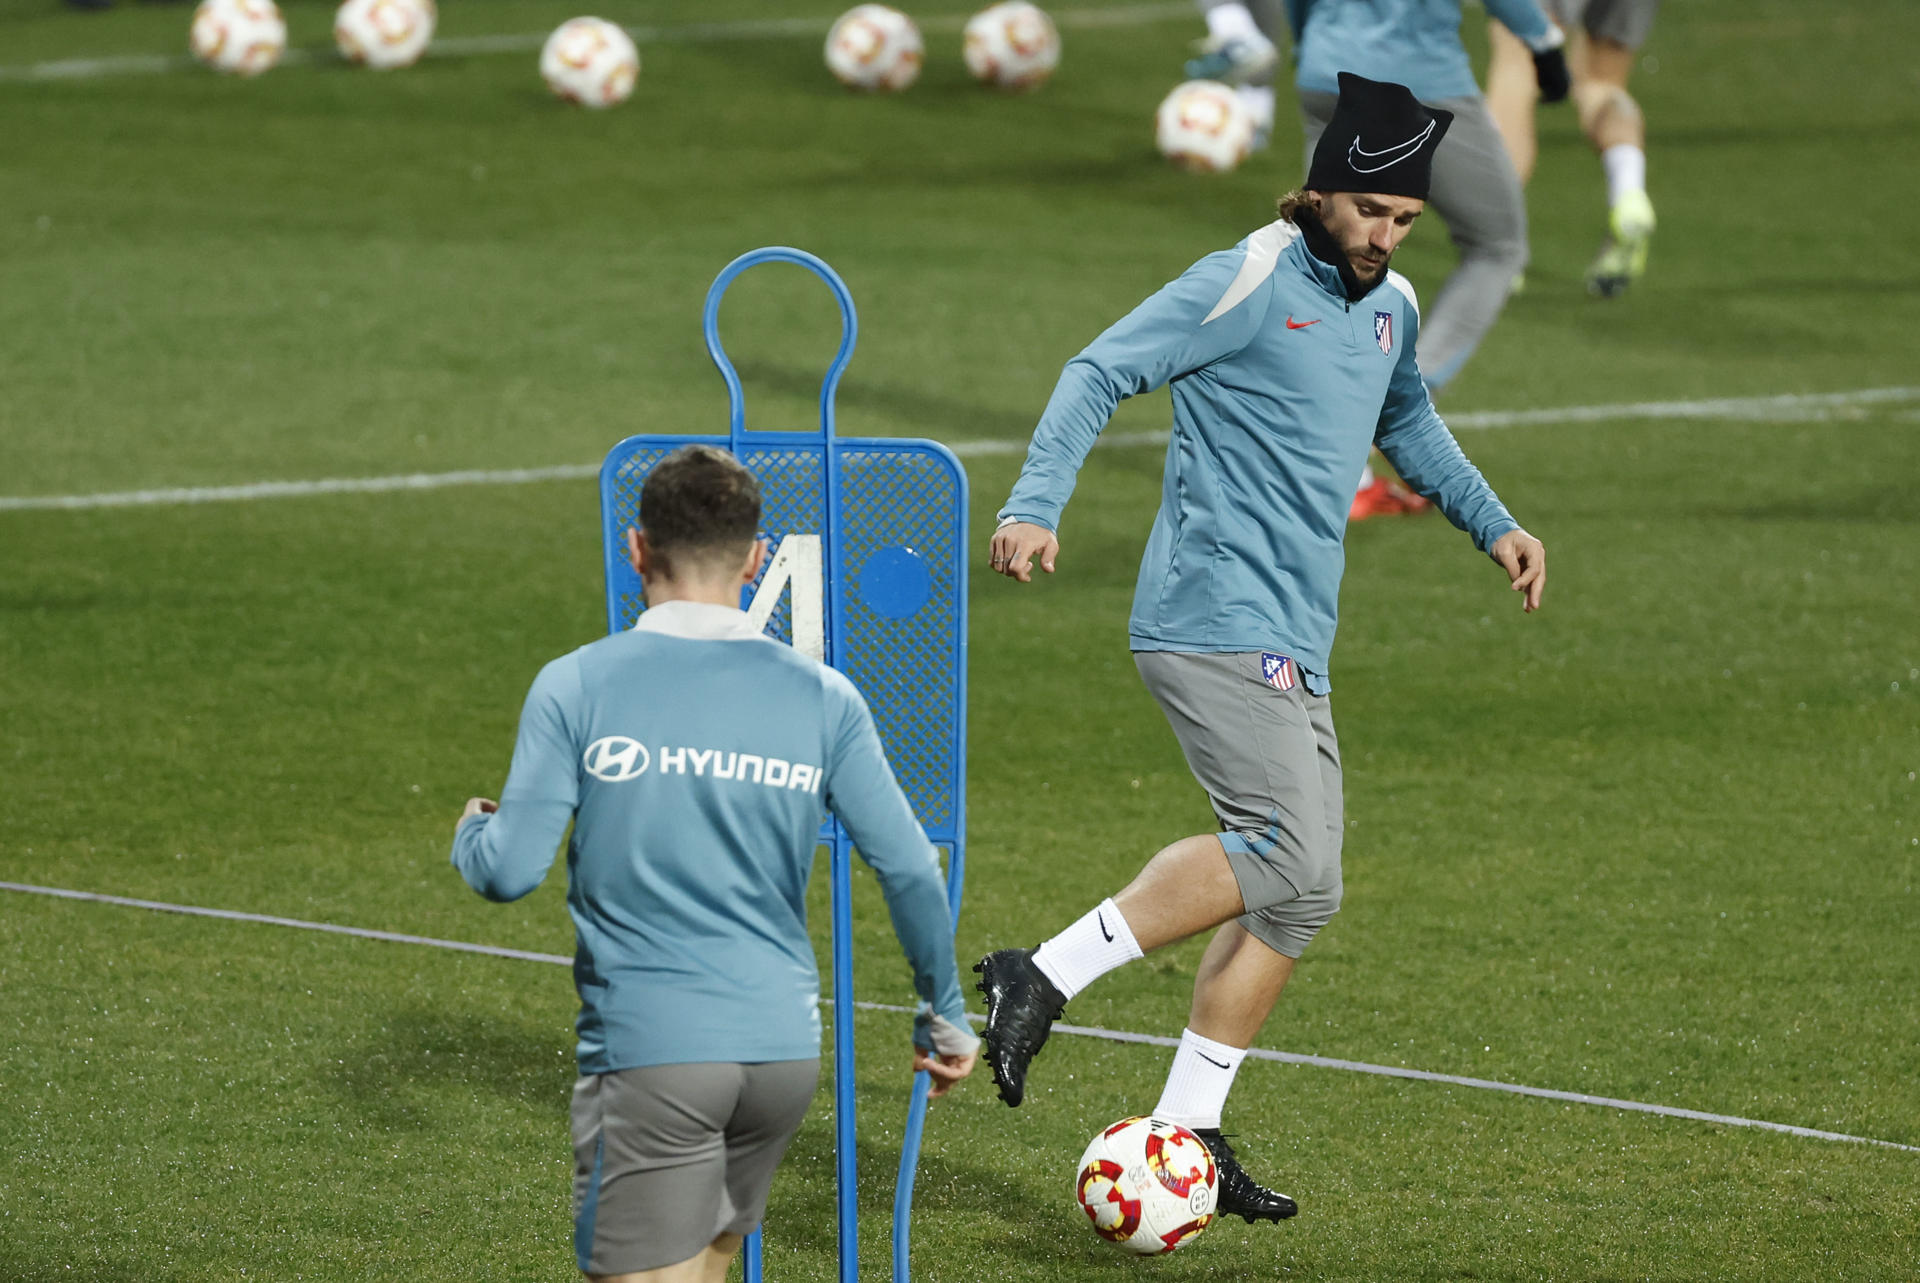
476,806
1017,545
1524,559
946,1070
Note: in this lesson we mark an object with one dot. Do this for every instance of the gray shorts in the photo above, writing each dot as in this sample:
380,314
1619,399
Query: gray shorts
1269,761
669,1157
1625,22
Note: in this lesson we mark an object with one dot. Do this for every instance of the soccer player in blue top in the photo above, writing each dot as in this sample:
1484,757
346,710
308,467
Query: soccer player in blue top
694,758
1288,355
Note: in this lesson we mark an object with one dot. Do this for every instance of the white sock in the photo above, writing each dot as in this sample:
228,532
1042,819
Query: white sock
1087,950
1258,100
1366,477
1198,1083
1232,21
1626,167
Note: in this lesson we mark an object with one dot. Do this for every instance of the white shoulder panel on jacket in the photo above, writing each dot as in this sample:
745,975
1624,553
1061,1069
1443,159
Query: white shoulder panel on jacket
1405,287
1263,253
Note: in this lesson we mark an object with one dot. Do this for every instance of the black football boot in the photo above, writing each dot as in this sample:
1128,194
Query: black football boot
1022,1005
1240,1194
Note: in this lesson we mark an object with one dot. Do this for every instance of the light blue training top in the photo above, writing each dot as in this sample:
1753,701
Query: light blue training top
1415,43
696,759
1280,385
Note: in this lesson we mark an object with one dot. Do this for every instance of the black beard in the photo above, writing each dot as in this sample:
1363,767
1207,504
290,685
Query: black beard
1322,245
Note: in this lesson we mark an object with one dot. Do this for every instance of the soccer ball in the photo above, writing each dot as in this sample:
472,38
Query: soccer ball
1012,45
384,33
590,61
1148,1185
240,37
1203,126
874,47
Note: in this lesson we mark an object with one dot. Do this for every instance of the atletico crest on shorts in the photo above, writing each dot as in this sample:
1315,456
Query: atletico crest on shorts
1383,331
1277,671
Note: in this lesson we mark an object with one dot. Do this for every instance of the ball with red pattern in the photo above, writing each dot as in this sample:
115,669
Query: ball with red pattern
1203,126
384,34
875,47
1147,1185
590,61
239,37
1012,46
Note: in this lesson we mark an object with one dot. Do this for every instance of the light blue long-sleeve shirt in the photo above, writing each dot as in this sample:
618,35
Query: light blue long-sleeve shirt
1279,385
1415,43
695,759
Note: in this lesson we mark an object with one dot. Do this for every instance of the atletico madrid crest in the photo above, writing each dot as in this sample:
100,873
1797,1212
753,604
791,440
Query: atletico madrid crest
1383,331
1277,671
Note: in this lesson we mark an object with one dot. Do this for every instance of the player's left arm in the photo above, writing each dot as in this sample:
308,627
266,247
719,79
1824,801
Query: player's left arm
863,793
1417,443
504,850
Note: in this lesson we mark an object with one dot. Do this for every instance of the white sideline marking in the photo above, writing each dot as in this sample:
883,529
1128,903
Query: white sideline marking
300,489
1788,408
1082,1031
196,911
527,42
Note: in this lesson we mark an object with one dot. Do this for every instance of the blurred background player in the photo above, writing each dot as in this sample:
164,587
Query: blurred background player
1240,51
1475,188
693,757
1288,356
1604,36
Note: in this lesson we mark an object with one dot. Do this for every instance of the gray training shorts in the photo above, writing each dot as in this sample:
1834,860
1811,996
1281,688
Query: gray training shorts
1625,22
669,1157
1269,761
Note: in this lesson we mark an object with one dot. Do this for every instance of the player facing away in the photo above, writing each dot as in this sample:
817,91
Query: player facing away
1288,355
1606,36
694,757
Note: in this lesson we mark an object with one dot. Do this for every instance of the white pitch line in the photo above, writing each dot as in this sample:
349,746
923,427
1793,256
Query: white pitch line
229,915
1790,407
1080,1031
527,42
300,489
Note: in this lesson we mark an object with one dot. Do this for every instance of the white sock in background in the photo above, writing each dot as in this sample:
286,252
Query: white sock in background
1087,950
1626,167
1366,476
1258,100
1198,1083
1232,21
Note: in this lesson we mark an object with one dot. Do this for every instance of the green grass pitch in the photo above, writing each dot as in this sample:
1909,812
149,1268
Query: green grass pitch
1658,842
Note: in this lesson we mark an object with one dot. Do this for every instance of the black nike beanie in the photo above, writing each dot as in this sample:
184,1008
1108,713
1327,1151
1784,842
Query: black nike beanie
1381,139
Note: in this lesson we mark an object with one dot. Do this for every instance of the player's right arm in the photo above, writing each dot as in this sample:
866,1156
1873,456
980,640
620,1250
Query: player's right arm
862,791
1180,329
504,854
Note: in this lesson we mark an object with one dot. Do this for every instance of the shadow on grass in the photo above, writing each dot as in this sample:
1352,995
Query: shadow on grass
394,1076
18,1265
1875,503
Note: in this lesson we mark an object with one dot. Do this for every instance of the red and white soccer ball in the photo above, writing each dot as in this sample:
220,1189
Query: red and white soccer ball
239,37
1203,126
384,34
1148,1185
590,61
1013,45
874,47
